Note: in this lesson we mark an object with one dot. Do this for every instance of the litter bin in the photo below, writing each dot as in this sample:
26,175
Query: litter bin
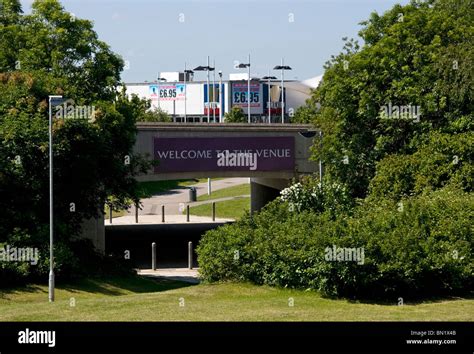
192,194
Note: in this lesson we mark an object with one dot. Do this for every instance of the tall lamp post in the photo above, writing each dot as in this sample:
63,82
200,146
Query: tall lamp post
206,68
52,101
268,78
214,92
220,96
186,72
243,66
282,67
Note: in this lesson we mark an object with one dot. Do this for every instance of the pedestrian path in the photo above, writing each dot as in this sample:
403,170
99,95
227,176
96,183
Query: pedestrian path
174,199
179,274
169,219
175,202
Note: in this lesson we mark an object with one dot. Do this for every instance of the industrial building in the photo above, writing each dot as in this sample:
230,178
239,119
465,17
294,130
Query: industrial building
190,101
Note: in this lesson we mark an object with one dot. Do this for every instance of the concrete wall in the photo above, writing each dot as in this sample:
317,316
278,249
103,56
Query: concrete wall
265,185
303,135
263,193
94,230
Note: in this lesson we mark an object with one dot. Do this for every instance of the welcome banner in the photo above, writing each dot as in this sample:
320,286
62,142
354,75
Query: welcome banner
224,154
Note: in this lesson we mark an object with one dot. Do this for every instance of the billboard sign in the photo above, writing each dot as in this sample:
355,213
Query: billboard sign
224,154
153,91
180,91
167,92
240,99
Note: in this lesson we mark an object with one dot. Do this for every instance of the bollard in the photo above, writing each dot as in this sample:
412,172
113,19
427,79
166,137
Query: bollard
190,255
213,211
187,213
162,213
153,256
136,213
110,213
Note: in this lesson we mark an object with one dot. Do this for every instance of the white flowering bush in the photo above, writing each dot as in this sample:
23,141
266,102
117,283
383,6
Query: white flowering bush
318,197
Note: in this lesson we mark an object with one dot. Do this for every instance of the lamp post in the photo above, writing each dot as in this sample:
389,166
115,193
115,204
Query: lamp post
214,92
206,68
220,96
282,67
186,72
242,66
268,78
51,212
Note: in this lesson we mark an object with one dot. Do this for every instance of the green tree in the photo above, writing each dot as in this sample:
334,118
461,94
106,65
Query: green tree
156,115
10,15
418,55
93,160
236,115
143,111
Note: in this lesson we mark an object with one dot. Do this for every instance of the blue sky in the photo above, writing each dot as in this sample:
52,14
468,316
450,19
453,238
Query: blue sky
161,35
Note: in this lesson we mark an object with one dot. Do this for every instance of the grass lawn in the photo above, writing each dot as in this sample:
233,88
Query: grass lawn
151,188
241,189
139,299
115,214
228,209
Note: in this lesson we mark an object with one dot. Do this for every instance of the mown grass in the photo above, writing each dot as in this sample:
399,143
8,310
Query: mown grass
140,299
241,189
228,209
115,214
148,189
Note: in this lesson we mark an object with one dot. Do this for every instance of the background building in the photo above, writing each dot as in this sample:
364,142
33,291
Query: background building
189,100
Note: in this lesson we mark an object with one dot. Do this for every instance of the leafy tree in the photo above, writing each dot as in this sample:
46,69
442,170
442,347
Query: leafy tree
156,115
417,55
93,160
10,15
305,114
236,115
143,111
439,161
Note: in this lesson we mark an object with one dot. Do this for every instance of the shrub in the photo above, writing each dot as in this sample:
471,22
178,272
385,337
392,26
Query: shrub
418,248
317,197
236,115
441,160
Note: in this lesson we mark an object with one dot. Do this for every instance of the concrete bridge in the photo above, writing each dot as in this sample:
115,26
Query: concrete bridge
270,154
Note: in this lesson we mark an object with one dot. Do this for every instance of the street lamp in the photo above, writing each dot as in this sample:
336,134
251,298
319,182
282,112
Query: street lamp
220,96
214,92
52,100
186,72
282,67
268,78
243,66
206,68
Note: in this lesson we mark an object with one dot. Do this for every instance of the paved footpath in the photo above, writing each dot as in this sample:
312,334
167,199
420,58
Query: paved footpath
150,212
169,219
181,274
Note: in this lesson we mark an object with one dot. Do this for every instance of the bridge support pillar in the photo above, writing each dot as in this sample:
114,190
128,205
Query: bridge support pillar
94,230
264,190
